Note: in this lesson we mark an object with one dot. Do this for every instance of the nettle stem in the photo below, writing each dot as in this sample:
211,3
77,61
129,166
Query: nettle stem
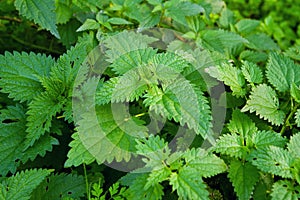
287,121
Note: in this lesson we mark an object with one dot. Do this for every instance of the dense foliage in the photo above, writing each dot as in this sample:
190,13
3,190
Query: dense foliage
149,99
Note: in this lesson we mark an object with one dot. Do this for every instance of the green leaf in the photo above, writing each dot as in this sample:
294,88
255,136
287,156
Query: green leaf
179,10
222,41
255,42
21,185
243,177
284,189
282,72
297,117
293,52
42,12
203,163
183,103
40,122
273,160
63,11
246,26
78,154
132,60
11,138
126,42
232,145
295,92
60,186
268,138
231,76
188,184
89,24
110,129
263,100
252,72
118,21
20,74
155,150
294,145
105,91
137,189
241,124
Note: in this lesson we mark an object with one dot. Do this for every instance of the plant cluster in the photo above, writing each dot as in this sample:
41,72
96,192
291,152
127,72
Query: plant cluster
151,99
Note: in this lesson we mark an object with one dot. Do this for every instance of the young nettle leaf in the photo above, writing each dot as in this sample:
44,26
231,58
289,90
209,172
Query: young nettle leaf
243,176
20,74
282,72
78,154
232,76
252,72
188,184
42,12
89,24
21,185
126,42
263,100
132,60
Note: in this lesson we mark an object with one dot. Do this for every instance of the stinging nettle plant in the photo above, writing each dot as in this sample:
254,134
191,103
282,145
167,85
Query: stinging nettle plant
146,102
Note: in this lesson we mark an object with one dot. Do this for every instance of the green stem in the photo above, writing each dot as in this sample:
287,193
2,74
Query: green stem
286,123
86,183
34,45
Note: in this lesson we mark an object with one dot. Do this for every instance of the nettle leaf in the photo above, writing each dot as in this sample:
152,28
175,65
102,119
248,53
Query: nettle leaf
241,124
179,10
183,103
169,59
255,42
243,177
266,138
188,184
60,186
105,90
203,163
282,72
273,160
42,12
294,145
286,190
21,185
295,92
132,60
246,26
263,100
132,85
137,189
252,72
222,41
126,42
78,154
231,76
20,74
40,122
232,145
11,137
297,117
110,133
155,150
